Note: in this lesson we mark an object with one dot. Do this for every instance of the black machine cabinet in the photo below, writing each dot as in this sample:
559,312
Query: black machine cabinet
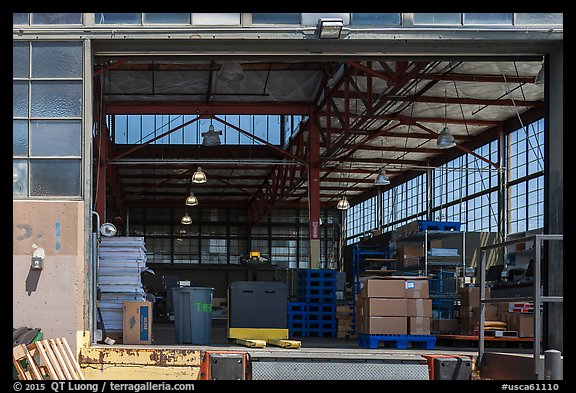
254,304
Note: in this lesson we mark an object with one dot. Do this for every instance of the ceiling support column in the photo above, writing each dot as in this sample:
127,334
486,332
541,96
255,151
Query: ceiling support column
314,192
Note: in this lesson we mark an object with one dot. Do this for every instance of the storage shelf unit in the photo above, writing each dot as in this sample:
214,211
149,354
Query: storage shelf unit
361,257
444,272
537,296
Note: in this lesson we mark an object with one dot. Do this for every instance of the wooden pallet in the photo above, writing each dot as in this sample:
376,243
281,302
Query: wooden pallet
46,359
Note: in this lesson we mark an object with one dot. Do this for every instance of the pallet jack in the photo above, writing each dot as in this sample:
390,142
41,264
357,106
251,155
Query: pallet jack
257,314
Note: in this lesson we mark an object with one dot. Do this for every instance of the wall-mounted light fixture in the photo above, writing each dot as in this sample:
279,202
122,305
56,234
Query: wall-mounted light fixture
329,28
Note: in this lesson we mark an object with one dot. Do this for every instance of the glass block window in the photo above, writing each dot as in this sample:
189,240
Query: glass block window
539,18
437,18
56,18
222,19
488,18
275,18
366,19
47,118
166,18
310,19
118,18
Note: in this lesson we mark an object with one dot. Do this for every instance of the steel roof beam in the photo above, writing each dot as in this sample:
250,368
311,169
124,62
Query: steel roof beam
201,108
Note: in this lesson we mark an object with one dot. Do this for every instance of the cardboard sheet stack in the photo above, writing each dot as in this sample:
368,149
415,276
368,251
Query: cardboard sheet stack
122,260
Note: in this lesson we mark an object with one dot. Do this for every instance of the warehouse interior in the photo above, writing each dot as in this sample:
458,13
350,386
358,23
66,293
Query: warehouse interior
341,123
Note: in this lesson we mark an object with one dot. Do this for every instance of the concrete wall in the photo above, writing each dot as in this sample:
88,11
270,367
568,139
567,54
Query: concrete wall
52,298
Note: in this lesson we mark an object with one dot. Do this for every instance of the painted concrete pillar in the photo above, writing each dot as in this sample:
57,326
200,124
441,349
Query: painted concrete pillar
553,198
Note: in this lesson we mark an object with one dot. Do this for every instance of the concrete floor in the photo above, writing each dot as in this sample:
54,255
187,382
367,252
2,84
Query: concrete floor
312,347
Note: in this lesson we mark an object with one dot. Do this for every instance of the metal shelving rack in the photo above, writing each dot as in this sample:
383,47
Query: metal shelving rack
439,263
360,257
537,298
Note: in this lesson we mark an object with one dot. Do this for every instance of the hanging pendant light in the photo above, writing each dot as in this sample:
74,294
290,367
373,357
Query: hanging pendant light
186,219
199,176
191,200
382,179
343,204
445,138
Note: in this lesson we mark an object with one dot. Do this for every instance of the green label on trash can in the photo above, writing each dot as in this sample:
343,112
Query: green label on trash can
203,307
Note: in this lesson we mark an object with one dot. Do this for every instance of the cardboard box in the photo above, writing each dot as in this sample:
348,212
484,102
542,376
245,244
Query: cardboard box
137,323
490,313
445,325
523,323
383,288
385,307
418,325
470,296
385,325
417,289
419,308
409,255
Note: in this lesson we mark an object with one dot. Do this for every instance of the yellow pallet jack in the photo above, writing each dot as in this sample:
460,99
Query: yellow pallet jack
257,315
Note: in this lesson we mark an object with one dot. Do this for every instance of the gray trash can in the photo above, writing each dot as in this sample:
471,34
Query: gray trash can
192,314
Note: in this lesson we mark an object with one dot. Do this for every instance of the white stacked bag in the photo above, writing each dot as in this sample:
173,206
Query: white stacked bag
122,260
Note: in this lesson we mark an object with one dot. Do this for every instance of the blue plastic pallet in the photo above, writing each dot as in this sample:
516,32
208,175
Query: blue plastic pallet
321,325
317,283
297,325
439,225
296,307
321,317
298,333
297,317
318,299
317,273
321,308
316,291
321,333
400,341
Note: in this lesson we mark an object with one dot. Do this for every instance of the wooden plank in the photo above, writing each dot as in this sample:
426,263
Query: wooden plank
33,366
72,358
19,352
22,374
379,260
52,356
61,361
51,371
67,361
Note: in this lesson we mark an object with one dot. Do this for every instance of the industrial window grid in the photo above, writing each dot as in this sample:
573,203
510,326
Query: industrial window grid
526,178
47,119
465,190
139,129
236,19
220,236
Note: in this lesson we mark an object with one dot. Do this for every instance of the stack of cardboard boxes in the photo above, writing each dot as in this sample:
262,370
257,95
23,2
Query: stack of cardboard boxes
470,309
344,320
394,305
409,256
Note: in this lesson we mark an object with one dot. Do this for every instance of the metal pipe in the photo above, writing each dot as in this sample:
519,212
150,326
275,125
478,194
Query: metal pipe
553,365
204,161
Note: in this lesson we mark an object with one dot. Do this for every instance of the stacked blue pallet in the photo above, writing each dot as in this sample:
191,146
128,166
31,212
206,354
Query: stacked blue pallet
317,289
297,319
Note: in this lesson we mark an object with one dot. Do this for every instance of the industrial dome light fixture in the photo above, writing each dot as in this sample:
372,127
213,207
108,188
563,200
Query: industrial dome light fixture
186,219
199,177
191,200
108,229
231,71
445,138
382,179
211,137
343,204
